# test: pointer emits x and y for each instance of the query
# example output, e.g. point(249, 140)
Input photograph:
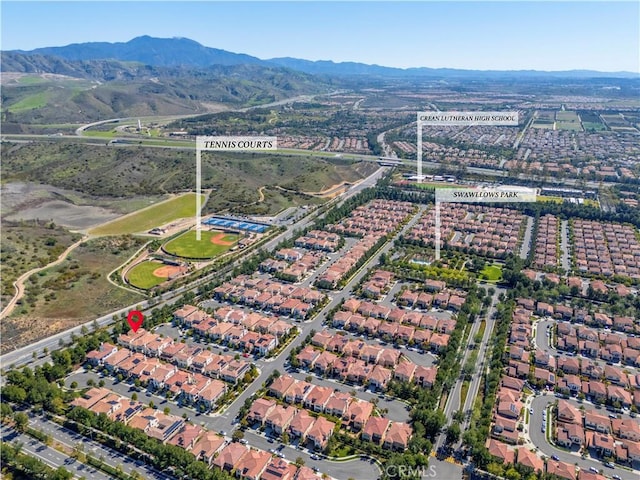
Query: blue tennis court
point(237, 224)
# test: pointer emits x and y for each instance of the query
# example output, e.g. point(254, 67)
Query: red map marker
point(135, 319)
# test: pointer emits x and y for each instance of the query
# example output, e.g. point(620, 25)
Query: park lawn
point(141, 276)
point(492, 273)
point(187, 246)
point(148, 218)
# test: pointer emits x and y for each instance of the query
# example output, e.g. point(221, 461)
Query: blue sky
point(513, 35)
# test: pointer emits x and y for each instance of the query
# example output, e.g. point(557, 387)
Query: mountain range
point(173, 52)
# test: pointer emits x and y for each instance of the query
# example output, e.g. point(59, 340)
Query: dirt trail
point(19, 283)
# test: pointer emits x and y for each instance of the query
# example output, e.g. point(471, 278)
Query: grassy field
point(573, 126)
point(31, 102)
point(157, 215)
point(142, 276)
point(492, 273)
point(71, 293)
point(187, 246)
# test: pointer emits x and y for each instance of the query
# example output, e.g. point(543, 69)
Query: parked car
point(555, 457)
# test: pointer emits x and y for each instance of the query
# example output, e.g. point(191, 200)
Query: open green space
point(71, 293)
point(592, 126)
point(492, 273)
point(573, 126)
point(567, 116)
point(31, 102)
point(28, 245)
point(187, 246)
point(183, 206)
point(141, 276)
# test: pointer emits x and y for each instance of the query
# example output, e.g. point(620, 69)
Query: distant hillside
point(54, 90)
point(171, 52)
point(167, 52)
point(327, 67)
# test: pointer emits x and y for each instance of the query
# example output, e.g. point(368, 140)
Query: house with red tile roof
point(397, 436)
point(375, 429)
point(358, 414)
point(260, 409)
point(186, 437)
point(320, 432)
point(231, 456)
point(207, 446)
point(300, 424)
point(317, 398)
point(278, 469)
point(280, 418)
point(253, 464)
point(97, 357)
point(530, 459)
point(500, 450)
point(561, 469)
point(280, 385)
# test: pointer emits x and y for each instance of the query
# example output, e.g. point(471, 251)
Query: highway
point(165, 143)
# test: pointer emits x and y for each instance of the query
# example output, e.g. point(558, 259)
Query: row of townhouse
point(355, 414)
point(578, 283)
point(492, 231)
point(396, 315)
point(342, 344)
point(254, 464)
point(609, 437)
point(205, 445)
point(378, 218)
point(603, 248)
point(547, 242)
point(357, 370)
point(610, 347)
point(315, 430)
point(269, 295)
point(424, 338)
point(194, 358)
point(193, 387)
point(319, 240)
point(378, 284)
point(293, 264)
point(338, 270)
point(432, 296)
point(622, 323)
point(248, 331)
point(511, 455)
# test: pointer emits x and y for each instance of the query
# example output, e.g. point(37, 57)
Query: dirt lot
point(28, 201)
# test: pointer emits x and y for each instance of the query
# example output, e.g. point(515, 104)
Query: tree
point(21, 421)
point(61, 473)
point(237, 435)
point(134, 396)
point(299, 462)
point(285, 437)
point(453, 432)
